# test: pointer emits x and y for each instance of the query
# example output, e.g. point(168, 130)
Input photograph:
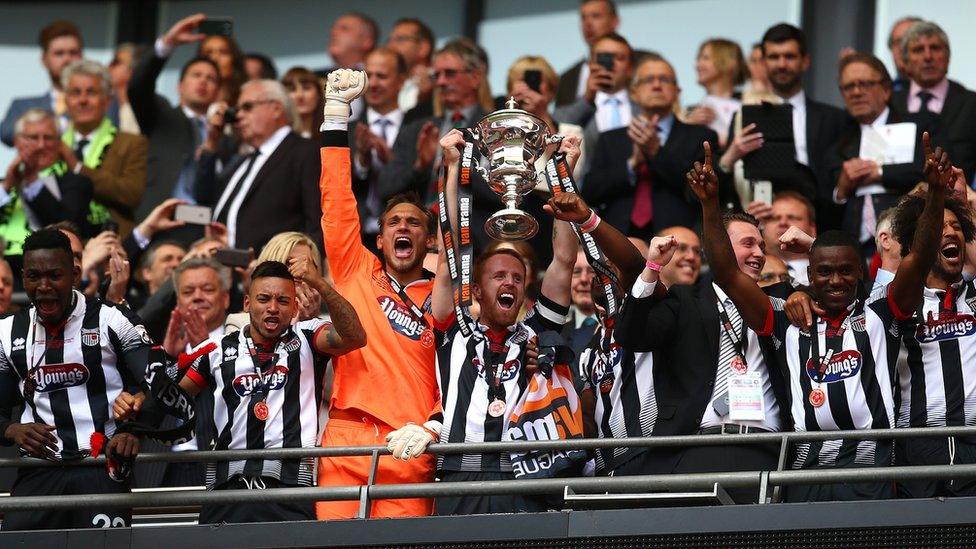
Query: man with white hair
point(273, 188)
point(114, 161)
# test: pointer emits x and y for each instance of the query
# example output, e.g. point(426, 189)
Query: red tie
point(643, 210)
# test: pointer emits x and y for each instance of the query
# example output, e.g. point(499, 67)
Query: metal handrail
point(762, 480)
point(537, 487)
point(519, 446)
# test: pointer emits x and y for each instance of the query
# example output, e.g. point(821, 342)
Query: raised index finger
point(708, 153)
point(926, 144)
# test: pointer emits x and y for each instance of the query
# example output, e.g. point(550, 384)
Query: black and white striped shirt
point(466, 366)
point(937, 382)
point(69, 376)
point(293, 394)
point(623, 383)
point(854, 374)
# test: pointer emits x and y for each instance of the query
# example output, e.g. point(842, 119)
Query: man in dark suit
point(376, 134)
point(272, 189)
point(637, 176)
point(898, 30)
point(925, 49)
point(414, 40)
point(698, 351)
point(867, 186)
point(174, 133)
point(816, 126)
point(352, 35)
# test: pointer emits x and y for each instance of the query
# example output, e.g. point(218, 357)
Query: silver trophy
point(512, 141)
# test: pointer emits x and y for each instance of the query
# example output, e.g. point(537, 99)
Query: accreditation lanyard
point(416, 311)
point(738, 342)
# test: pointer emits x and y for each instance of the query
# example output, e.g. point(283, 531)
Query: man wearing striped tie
point(713, 375)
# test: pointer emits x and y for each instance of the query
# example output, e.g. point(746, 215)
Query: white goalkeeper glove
point(411, 440)
point(342, 87)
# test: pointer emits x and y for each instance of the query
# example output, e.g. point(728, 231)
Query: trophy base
point(511, 224)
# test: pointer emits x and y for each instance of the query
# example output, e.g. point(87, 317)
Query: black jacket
point(954, 126)
point(608, 186)
point(897, 179)
point(284, 195)
point(681, 325)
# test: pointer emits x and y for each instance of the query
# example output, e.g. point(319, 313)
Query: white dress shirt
point(373, 118)
point(604, 110)
point(799, 102)
point(233, 209)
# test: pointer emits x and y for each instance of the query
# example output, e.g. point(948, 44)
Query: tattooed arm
point(345, 333)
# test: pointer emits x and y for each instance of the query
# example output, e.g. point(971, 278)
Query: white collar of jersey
point(957, 286)
point(720, 293)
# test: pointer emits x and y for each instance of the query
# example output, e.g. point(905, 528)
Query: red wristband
point(653, 266)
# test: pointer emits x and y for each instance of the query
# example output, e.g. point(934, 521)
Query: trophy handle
point(483, 172)
point(555, 139)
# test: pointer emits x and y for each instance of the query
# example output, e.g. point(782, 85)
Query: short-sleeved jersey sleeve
point(131, 340)
point(881, 302)
point(546, 315)
point(776, 322)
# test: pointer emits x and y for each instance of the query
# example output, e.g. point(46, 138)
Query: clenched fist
point(342, 87)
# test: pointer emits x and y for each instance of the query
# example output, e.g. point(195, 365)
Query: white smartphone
point(197, 215)
point(762, 191)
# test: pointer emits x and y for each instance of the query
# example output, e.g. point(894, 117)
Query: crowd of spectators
point(263, 226)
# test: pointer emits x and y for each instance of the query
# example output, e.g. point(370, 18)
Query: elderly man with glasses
point(270, 188)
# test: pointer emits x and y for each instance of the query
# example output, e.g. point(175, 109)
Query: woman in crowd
point(306, 92)
point(226, 53)
point(537, 101)
point(721, 68)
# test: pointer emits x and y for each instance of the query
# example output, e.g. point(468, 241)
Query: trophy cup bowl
point(512, 140)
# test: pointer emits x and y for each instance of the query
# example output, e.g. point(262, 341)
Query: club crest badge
point(90, 338)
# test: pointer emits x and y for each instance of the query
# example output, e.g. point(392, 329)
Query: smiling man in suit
point(866, 187)
point(637, 177)
point(925, 50)
point(271, 189)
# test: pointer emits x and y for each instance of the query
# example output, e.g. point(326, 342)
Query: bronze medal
point(496, 408)
point(817, 397)
point(261, 410)
point(738, 365)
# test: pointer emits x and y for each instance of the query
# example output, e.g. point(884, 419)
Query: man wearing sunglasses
point(270, 189)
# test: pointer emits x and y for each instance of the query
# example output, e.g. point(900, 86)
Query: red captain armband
point(899, 315)
point(767, 327)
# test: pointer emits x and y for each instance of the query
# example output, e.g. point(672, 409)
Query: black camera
point(230, 115)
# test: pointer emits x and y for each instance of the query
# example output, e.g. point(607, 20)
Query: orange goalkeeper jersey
point(391, 378)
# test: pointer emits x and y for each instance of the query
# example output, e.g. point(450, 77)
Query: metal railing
point(763, 481)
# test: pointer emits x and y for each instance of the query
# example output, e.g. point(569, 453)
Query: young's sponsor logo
point(54, 377)
point(837, 367)
point(509, 371)
point(400, 317)
point(603, 374)
point(246, 384)
point(944, 327)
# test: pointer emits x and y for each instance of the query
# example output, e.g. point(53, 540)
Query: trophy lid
point(510, 111)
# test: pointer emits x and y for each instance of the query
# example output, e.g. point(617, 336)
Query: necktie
point(457, 119)
point(200, 125)
point(643, 210)
point(947, 300)
point(925, 97)
point(383, 125)
point(80, 149)
point(589, 322)
point(613, 104)
point(236, 189)
point(726, 352)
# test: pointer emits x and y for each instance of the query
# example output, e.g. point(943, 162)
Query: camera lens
point(230, 115)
